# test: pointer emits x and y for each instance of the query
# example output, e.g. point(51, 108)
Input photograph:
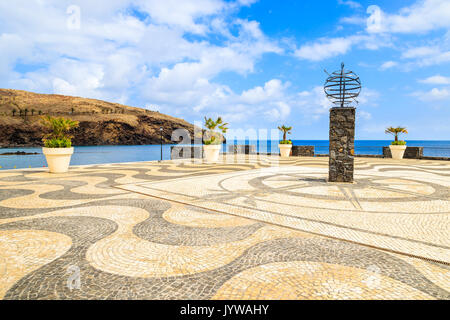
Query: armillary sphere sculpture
point(342, 87)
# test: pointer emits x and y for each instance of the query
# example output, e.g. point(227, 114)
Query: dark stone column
point(342, 144)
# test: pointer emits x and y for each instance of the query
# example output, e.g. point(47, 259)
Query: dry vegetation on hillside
point(101, 122)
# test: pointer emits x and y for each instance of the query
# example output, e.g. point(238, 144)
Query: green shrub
point(286, 142)
point(398, 143)
point(212, 136)
point(58, 137)
point(58, 143)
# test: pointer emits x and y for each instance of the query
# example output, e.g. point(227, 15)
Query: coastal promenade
point(244, 228)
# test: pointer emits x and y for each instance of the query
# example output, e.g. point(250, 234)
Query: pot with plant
point(213, 139)
point(285, 144)
point(397, 147)
point(58, 143)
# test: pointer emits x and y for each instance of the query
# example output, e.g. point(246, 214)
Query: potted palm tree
point(397, 147)
point(285, 144)
point(213, 140)
point(58, 144)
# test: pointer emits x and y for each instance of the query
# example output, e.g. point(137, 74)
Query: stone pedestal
point(410, 153)
point(342, 144)
point(303, 151)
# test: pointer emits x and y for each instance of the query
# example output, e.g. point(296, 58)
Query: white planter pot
point(397, 151)
point(285, 150)
point(212, 152)
point(58, 159)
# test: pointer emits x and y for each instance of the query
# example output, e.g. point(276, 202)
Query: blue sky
point(258, 64)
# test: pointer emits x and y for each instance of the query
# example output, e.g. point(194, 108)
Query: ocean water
point(119, 154)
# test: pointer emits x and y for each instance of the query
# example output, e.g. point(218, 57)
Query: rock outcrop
point(101, 122)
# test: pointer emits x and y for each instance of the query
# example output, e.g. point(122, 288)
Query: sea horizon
point(86, 155)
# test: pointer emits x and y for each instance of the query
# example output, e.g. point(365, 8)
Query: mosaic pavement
point(242, 229)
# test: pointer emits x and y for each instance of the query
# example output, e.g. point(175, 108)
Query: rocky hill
point(101, 122)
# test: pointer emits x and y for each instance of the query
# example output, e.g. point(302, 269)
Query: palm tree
point(396, 131)
point(285, 131)
point(32, 112)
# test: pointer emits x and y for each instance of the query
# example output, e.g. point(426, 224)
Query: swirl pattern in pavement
point(399, 211)
point(126, 245)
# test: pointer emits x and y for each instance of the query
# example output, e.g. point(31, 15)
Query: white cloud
point(10, 44)
point(423, 16)
point(247, 3)
point(169, 55)
point(273, 100)
point(200, 97)
point(324, 48)
point(63, 87)
point(438, 94)
point(280, 112)
point(115, 55)
point(350, 3)
point(312, 103)
point(427, 55)
point(153, 107)
point(182, 14)
point(361, 114)
point(420, 52)
point(368, 97)
point(437, 79)
point(272, 90)
point(358, 20)
point(388, 64)
point(433, 95)
point(190, 83)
